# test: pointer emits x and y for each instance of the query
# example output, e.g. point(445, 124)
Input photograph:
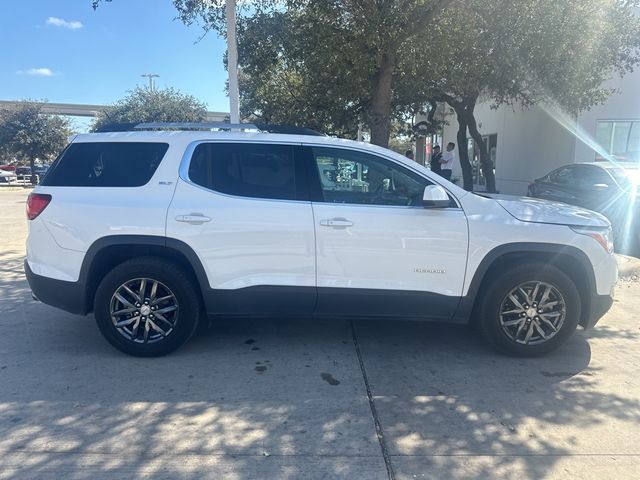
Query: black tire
point(497, 292)
point(171, 278)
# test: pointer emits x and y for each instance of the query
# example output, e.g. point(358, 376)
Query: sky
point(64, 51)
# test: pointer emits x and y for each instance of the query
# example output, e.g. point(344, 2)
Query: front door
point(243, 208)
point(379, 251)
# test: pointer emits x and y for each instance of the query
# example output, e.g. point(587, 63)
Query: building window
point(619, 139)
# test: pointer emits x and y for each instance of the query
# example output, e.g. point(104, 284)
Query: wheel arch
point(571, 260)
point(107, 252)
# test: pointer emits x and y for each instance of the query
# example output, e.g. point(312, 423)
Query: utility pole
point(232, 59)
point(150, 76)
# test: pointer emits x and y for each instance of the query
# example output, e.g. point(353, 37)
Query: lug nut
point(144, 318)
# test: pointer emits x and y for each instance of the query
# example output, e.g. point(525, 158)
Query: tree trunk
point(463, 151)
point(380, 110)
point(485, 161)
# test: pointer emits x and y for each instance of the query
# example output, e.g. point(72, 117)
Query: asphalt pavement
point(308, 399)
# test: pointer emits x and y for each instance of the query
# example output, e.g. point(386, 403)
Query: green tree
point(27, 134)
point(350, 52)
point(333, 64)
point(330, 64)
point(157, 105)
point(527, 53)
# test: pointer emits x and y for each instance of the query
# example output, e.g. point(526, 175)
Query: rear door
point(244, 210)
point(379, 251)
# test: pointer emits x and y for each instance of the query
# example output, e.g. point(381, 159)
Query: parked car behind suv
point(611, 189)
point(7, 177)
point(153, 230)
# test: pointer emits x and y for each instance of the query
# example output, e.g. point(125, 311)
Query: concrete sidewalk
point(290, 399)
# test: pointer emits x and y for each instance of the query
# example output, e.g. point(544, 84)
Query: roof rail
point(264, 127)
point(195, 126)
point(288, 129)
point(267, 128)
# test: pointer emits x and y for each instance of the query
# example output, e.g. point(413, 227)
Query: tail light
point(36, 203)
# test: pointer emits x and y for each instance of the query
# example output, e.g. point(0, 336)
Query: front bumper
point(600, 305)
point(67, 296)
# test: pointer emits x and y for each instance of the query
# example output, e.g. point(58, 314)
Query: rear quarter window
point(106, 164)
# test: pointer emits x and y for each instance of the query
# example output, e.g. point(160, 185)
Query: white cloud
point(60, 22)
point(38, 72)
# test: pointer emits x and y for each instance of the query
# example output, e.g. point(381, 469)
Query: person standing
point(409, 154)
point(446, 162)
point(436, 156)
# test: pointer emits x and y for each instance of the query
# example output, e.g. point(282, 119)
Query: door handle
point(193, 218)
point(336, 222)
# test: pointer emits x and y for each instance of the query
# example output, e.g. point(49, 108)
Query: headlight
point(604, 236)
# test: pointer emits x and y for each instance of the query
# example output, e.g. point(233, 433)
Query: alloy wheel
point(532, 313)
point(144, 310)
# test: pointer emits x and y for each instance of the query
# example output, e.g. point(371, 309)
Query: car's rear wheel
point(529, 310)
point(147, 307)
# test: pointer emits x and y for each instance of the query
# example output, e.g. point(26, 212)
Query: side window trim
point(316, 187)
point(185, 162)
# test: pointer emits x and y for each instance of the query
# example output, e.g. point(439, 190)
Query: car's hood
point(528, 209)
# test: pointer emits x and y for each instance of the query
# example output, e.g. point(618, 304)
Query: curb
point(628, 267)
point(16, 188)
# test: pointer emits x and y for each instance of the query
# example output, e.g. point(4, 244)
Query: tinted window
point(563, 176)
point(106, 164)
point(588, 177)
point(349, 176)
point(248, 170)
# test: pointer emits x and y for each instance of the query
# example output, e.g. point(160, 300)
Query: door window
point(353, 177)
point(588, 177)
point(245, 169)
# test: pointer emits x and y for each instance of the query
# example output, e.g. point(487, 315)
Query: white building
point(526, 144)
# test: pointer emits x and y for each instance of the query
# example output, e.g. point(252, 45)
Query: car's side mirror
point(435, 197)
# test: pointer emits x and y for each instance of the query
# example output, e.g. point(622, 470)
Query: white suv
point(154, 230)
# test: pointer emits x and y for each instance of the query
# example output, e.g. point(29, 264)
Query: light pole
point(232, 59)
point(150, 76)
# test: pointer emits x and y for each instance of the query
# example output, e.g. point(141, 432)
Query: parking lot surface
point(308, 399)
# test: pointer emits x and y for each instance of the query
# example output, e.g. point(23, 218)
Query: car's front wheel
point(529, 310)
point(147, 307)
